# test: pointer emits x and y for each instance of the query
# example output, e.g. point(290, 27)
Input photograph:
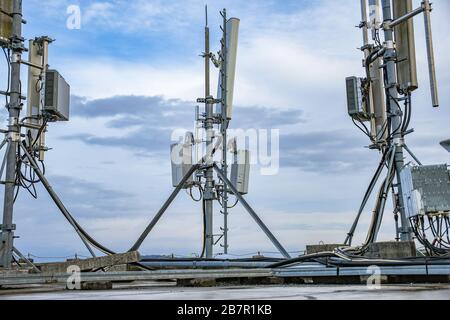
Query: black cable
point(83, 234)
point(367, 196)
point(377, 38)
point(431, 247)
point(447, 224)
point(200, 193)
point(408, 113)
point(235, 204)
point(228, 207)
point(398, 129)
point(41, 130)
point(305, 258)
point(365, 131)
point(188, 259)
point(378, 212)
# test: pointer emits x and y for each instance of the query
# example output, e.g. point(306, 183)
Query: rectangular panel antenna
point(6, 21)
point(232, 39)
point(406, 47)
point(181, 159)
point(378, 98)
point(240, 171)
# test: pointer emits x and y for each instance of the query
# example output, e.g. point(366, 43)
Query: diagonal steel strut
point(249, 209)
point(163, 209)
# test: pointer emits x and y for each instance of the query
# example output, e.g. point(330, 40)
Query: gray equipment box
point(355, 103)
point(181, 159)
point(57, 96)
point(426, 189)
point(240, 171)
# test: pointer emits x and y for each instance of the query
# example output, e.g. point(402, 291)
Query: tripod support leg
point(163, 209)
point(252, 213)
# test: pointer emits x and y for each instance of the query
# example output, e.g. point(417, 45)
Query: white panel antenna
point(232, 39)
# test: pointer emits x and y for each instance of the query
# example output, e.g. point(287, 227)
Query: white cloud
point(101, 78)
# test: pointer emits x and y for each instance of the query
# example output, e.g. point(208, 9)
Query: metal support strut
point(163, 209)
point(249, 209)
point(396, 123)
point(81, 233)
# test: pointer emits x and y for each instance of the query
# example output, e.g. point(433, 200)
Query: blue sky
point(135, 72)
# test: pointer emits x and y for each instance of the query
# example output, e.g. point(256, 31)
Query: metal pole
point(366, 50)
point(27, 261)
point(13, 137)
point(163, 209)
point(412, 155)
point(224, 128)
point(349, 239)
point(430, 51)
point(395, 112)
point(406, 17)
point(4, 142)
point(209, 173)
point(253, 213)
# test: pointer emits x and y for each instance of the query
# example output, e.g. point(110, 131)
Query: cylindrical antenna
point(207, 57)
point(406, 47)
point(430, 52)
point(364, 22)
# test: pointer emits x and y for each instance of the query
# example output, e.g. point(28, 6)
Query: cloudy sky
point(135, 72)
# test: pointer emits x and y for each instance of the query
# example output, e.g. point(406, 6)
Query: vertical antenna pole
point(13, 137)
point(430, 52)
point(207, 57)
point(224, 94)
point(209, 174)
point(395, 113)
point(366, 49)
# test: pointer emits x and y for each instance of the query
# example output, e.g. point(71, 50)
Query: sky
point(135, 73)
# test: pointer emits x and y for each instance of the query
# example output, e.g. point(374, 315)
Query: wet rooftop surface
point(158, 291)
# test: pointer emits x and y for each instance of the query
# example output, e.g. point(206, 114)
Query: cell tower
point(48, 101)
point(383, 99)
point(211, 177)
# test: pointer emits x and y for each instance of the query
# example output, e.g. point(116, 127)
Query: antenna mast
point(13, 135)
point(211, 178)
point(209, 194)
point(391, 77)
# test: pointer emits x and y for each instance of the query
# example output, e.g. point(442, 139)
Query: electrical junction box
point(57, 96)
point(240, 171)
point(181, 159)
point(355, 102)
point(426, 189)
point(6, 21)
